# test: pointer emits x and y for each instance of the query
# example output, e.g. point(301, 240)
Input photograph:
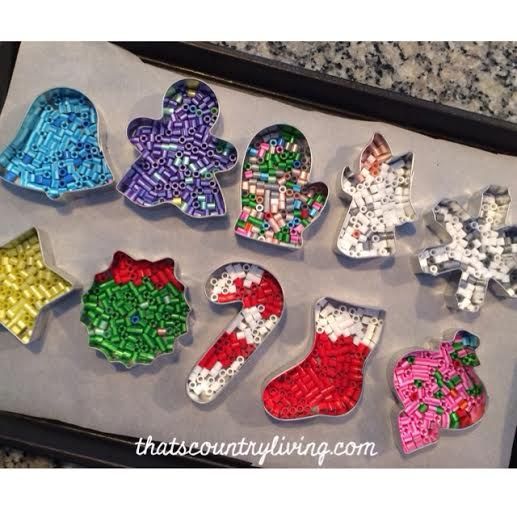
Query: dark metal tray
point(94, 448)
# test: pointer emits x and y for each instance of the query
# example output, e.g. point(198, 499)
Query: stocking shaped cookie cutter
point(328, 381)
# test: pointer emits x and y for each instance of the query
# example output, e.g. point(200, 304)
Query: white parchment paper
point(60, 377)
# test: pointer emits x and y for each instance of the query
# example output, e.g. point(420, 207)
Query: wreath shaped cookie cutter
point(135, 310)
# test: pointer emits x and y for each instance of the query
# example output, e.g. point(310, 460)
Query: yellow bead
point(27, 284)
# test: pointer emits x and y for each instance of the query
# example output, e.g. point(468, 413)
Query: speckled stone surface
point(475, 76)
point(479, 77)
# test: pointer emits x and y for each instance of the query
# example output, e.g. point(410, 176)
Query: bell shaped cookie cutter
point(277, 200)
point(179, 157)
point(482, 249)
point(29, 285)
point(135, 310)
point(262, 301)
point(438, 389)
point(380, 199)
point(57, 149)
point(328, 381)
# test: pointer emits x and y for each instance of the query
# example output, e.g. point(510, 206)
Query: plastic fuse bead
point(380, 200)
point(57, 149)
point(482, 248)
point(179, 157)
point(27, 285)
point(135, 310)
point(329, 380)
point(277, 200)
point(438, 389)
point(262, 305)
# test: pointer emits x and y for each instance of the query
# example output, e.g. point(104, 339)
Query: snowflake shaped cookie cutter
point(179, 156)
point(481, 248)
point(380, 200)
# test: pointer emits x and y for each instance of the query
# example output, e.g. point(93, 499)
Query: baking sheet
point(60, 377)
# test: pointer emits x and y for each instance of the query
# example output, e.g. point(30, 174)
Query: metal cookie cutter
point(29, 285)
point(482, 248)
point(135, 310)
point(438, 389)
point(380, 200)
point(328, 381)
point(57, 149)
point(277, 200)
point(179, 156)
point(262, 307)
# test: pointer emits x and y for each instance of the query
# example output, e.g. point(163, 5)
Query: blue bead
point(56, 149)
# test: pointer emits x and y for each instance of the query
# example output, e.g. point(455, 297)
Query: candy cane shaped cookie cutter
point(262, 301)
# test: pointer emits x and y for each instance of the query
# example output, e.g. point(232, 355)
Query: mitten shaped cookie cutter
point(29, 284)
point(481, 248)
point(135, 310)
point(277, 200)
point(57, 149)
point(179, 157)
point(328, 381)
point(380, 199)
point(262, 301)
point(438, 389)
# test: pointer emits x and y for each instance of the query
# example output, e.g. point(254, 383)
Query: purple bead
point(179, 152)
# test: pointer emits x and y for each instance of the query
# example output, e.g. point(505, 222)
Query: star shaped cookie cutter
point(29, 285)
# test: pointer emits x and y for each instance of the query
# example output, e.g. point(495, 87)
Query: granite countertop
point(476, 76)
